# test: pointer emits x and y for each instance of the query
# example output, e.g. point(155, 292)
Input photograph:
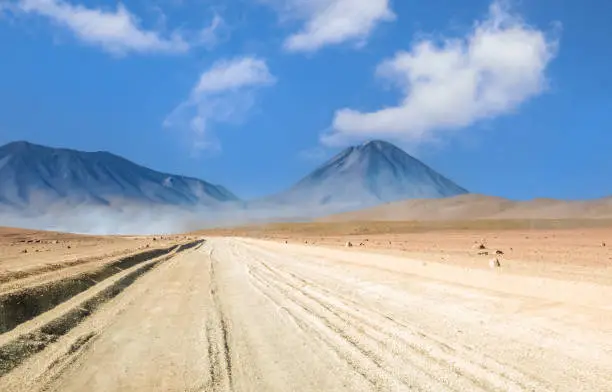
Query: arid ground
point(290, 307)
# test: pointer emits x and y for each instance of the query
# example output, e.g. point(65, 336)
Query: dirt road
point(250, 315)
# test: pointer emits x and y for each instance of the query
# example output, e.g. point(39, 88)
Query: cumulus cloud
point(450, 85)
point(331, 22)
point(117, 31)
point(224, 93)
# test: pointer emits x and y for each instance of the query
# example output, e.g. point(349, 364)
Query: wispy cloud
point(331, 22)
point(209, 36)
point(117, 31)
point(452, 85)
point(224, 93)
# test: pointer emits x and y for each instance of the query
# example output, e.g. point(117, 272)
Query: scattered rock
point(494, 263)
point(499, 252)
point(603, 243)
point(24, 251)
point(286, 241)
point(305, 242)
point(479, 245)
point(361, 244)
point(56, 242)
point(483, 253)
point(69, 247)
point(349, 244)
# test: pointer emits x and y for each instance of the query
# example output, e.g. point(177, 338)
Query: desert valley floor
point(291, 308)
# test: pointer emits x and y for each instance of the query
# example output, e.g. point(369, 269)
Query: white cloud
point(332, 22)
point(225, 93)
point(234, 75)
point(209, 36)
point(490, 72)
point(117, 31)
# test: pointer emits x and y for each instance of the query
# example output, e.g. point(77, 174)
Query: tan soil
point(244, 314)
point(531, 249)
point(24, 253)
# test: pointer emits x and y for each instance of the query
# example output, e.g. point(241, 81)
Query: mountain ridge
point(31, 172)
point(371, 173)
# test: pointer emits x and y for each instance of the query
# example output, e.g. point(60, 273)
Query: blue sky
point(506, 98)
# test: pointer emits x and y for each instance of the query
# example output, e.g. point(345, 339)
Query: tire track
point(335, 335)
point(427, 354)
point(21, 305)
point(310, 330)
point(475, 370)
point(218, 336)
point(358, 346)
point(376, 332)
point(18, 345)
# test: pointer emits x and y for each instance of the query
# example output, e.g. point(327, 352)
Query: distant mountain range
point(36, 176)
point(60, 184)
point(99, 192)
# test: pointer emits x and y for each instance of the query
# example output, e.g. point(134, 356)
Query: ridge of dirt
point(47, 325)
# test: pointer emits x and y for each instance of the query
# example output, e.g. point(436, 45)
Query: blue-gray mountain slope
point(369, 174)
point(32, 176)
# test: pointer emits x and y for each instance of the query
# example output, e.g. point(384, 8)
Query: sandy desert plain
point(290, 307)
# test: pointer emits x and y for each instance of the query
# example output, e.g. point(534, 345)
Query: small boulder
point(603, 243)
point(499, 252)
point(349, 244)
point(494, 263)
point(24, 251)
point(483, 253)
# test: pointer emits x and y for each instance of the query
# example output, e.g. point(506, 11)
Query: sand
point(475, 206)
point(413, 308)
